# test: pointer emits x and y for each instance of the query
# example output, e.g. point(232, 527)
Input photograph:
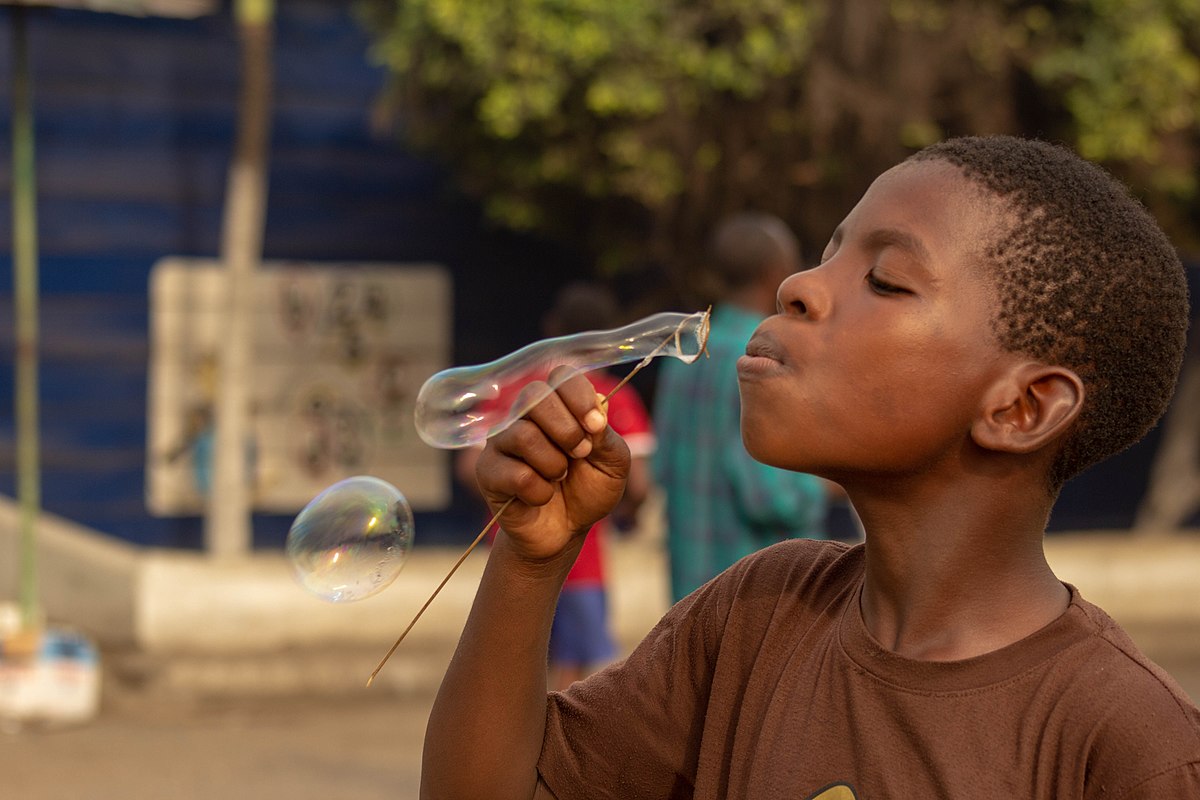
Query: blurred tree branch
point(629, 127)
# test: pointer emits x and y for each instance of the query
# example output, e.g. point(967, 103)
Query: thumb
point(609, 452)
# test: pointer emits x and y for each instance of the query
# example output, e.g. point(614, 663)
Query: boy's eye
point(881, 286)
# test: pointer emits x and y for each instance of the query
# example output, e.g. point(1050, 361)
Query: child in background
point(722, 504)
point(581, 638)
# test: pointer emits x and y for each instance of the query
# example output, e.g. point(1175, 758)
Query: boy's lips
point(761, 345)
point(763, 355)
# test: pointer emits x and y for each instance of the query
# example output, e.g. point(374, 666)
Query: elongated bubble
point(463, 406)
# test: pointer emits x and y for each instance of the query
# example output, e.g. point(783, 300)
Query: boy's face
point(878, 359)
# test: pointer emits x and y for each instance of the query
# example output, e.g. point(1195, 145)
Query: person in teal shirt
point(721, 504)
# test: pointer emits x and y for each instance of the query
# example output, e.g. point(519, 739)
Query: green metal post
point(25, 290)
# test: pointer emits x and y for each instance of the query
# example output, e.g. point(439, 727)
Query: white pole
point(227, 528)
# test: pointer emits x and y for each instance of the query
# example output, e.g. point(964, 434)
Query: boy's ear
point(1030, 407)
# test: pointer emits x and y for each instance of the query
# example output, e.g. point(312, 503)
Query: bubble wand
point(366, 520)
point(603, 400)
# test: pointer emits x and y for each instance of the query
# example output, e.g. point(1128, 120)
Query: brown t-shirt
point(766, 684)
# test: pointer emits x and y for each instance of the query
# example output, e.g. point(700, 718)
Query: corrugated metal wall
point(135, 122)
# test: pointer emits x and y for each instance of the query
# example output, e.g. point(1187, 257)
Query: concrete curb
point(182, 621)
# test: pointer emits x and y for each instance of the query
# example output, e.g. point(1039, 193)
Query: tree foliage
point(629, 126)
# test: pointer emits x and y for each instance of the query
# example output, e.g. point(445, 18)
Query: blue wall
point(135, 121)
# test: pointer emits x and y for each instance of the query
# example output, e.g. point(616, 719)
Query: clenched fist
point(563, 464)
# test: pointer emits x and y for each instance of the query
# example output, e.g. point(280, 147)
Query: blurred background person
point(721, 504)
point(581, 640)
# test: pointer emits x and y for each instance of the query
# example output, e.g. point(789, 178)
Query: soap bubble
point(351, 540)
point(464, 406)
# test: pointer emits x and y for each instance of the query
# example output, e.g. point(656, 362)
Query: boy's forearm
point(485, 731)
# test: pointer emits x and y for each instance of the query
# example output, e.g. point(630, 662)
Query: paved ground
point(295, 726)
point(363, 744)
point(359, 746)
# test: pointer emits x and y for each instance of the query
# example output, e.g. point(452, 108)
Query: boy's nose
point(801, 293)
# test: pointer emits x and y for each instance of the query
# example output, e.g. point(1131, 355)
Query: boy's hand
point(563, 463)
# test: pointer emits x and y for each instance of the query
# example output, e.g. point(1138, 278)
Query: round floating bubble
point(352, 539)
point(463, 406)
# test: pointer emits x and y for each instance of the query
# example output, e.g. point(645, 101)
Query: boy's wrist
point(535, 568)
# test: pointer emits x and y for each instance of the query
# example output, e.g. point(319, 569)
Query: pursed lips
point(763, 359)
point(763, 346)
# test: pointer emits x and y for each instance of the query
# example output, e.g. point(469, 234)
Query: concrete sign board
point(340, 352)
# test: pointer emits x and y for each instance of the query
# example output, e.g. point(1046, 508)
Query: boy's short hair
point(1085, 279)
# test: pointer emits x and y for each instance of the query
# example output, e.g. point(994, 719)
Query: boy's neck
point(956, 575)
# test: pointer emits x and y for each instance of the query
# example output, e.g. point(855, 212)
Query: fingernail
point(594, 421)
point(582, 449)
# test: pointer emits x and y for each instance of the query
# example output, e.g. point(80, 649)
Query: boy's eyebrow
point(893, 237)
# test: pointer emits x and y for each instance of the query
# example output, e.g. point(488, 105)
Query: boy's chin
point(773, 451)
point(764, 451)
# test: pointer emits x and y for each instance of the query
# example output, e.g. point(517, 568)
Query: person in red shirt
point(581, 639)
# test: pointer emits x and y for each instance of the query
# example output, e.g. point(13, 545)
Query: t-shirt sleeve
point(1146, 742)
point(633, 729)
point(636, 728)
point(1180, 783)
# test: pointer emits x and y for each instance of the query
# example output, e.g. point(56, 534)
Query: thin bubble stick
point(453, 569)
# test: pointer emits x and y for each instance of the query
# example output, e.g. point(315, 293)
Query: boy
point(993, 316)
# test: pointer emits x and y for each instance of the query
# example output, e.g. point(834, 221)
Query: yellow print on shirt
point(838, 791)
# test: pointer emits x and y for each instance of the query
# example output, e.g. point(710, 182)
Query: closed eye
point(880, 286)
